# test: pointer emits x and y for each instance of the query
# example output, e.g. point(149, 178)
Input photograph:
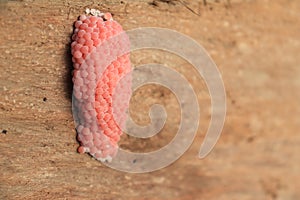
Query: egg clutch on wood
point(100, 55)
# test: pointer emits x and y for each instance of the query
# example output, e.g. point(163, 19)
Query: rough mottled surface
point(256, 46)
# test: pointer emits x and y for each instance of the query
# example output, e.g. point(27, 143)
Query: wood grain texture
point(256, 46)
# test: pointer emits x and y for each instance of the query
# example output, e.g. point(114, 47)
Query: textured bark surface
point(256, 47)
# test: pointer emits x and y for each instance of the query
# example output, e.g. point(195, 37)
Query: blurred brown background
point(256, 45)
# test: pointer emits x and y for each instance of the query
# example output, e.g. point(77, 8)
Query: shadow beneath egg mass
point(68, 84)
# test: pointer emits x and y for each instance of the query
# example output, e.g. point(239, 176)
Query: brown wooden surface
point(256, 46)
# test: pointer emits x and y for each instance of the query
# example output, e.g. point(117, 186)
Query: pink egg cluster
point(101, 61)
